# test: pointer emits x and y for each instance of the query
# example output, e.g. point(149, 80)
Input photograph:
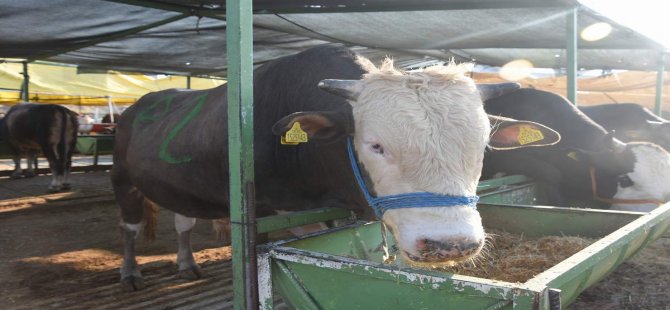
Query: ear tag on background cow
point(294, 136)
point(528, 135)
point(573, 155)
point(633, 134)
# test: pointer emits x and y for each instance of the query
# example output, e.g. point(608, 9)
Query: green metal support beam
point(239, 35)
point(571, 46)
point(659, 86)
point(113, 36)
point(25, 87)
point(188, 82)
point(295, 219)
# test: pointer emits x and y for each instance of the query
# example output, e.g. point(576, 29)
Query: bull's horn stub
point(349, 89)
point(489, 91)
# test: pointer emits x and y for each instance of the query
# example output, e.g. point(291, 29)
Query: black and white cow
point(630, 122)
point(49, 129)
point(637, 172)
point(413, 132)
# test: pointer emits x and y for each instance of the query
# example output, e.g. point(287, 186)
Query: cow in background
point(50, 129)
point(633, 176)
point(630, 122)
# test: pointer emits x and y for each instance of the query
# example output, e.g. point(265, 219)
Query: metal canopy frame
point(239, 16)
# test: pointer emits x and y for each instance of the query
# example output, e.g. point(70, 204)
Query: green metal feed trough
point(342, 268)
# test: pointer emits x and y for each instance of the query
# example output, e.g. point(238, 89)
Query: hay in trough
point(515, 258)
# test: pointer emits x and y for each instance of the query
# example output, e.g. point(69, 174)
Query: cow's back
point(620, 116)
point(30, 126)
point(173, 144)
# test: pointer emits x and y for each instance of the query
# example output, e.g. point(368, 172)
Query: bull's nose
point(455, 249)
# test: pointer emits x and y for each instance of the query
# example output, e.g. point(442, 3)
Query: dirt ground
point(53, 256)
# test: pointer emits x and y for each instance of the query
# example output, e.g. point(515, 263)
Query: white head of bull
point(645, 183)
point(419, 133)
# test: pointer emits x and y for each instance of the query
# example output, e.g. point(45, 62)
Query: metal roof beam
point(194, 11)
point(410, 6)
point(113, 36)
point(277, 7)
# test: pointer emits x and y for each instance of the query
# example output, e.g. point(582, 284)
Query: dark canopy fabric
point(188, 36)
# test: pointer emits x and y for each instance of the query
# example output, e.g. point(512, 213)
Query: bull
point(631, 122)
point(588, 164)
point(50, 129)
point(411, 132)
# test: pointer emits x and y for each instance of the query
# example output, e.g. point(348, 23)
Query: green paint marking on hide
point(163, 154)
point(149, 114)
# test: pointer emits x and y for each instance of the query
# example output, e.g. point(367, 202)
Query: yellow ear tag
point(528, 135)
point(294, 136)
point(633, 134)
point(573, 155)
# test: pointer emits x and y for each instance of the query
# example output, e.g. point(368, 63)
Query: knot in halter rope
point(409, 200)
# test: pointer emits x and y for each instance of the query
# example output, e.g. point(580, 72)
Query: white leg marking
point(183, 223)
point(132, 227)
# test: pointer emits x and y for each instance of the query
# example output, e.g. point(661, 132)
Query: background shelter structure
point(186, 37)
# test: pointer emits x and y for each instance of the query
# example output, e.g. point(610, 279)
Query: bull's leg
point(56, 171)
point(188, 269)
point(66, 176)
point(17, 174)
point(31, 158)
point(131, 277)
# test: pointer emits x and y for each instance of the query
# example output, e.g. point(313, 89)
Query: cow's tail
point(149, 218)
point(60, 148)
point(67, 120)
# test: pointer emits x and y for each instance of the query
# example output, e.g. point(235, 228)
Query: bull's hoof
point(15, 176)
point(66, 186)
point(54, 189)
point(132, 283)
point(29, 174)
point(192, 273)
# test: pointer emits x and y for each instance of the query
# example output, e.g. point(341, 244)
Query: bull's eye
point(377, 148)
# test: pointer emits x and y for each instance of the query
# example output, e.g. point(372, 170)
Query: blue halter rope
point(410, 200)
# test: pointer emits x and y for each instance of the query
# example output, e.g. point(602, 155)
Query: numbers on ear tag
point(633, 134)
point(573, 156)
point(294, 136)
point(529, 135)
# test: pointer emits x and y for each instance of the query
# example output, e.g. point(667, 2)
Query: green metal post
point(241, 153)
point(25, 94)
point(571, 35)
point(659, 85)
point(188, 82)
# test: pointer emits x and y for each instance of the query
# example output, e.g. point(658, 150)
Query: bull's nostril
point(421, 244)
point(453, 249)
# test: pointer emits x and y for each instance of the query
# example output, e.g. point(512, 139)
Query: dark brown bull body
point(172, 150)
point(565, 167)
point(49, 129)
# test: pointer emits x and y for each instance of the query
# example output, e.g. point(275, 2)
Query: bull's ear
point(507, 133)
point(318, 125)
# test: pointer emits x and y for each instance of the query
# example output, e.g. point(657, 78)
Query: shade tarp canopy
point(187, 37)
